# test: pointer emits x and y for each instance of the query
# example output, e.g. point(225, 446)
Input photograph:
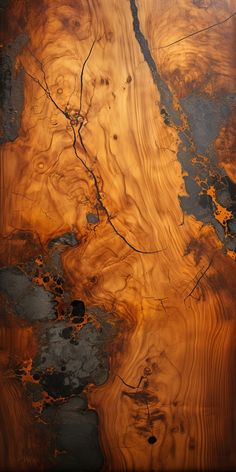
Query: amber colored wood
point(172, 368)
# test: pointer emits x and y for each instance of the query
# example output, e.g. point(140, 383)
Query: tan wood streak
point(185, 341)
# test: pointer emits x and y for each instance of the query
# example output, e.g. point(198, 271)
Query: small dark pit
point(78, 308)
point(19, 372)
point(115, 137)
point(36, 376)
point(59, 290)
point(53, 383)
point(94, 279)
point(46, 278)
point(167, 121)
point(163, 112)
point(152, 439)
point(67, 332)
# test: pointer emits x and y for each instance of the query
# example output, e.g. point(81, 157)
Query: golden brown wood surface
point(96, 136)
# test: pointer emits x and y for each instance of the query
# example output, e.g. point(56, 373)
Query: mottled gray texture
point(70, 356)
point(206, 116)
point(66, 239)
point(11, 89)
point(92, 218)
point(29, 300)
point(76, 357)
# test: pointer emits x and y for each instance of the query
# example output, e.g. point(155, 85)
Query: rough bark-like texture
point(118, 234)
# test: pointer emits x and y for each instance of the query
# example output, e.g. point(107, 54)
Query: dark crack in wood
point(90, 171)
point(199, 279)
point(82, 75)
point(166, 97)
point(131, 386)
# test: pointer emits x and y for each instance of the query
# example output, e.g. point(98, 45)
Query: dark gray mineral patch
point(206, 116)
point(69, 359)
point(92, 218)
point(29, 300)
point(66, 239)
point(76, 436)
point(11, 89)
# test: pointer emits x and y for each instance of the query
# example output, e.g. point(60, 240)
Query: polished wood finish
point(158, 268)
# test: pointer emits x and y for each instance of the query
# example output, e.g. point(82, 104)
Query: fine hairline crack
point(74, 144)
point(202, 274)
point(197, 32)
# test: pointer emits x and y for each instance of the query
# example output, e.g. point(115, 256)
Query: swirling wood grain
point(171, 371)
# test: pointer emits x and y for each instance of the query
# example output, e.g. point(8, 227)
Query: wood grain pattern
point(93, 139)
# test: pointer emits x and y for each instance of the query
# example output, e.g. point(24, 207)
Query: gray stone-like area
point(29, 300)
point(66, 239)
point(56, 246)
point(11, 89)
point(76, 436)
point(206, 116)
point(92, 218)
point(70, 356)
point(69, 359)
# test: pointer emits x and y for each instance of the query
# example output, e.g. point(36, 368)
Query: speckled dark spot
point(152, 439)
point(59, 290)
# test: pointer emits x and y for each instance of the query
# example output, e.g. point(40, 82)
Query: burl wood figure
point(118, 234)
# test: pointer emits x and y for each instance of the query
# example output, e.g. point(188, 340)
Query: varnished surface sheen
point(161, 268)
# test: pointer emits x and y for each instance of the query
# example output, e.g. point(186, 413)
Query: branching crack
point(78, 120)
point(144, 398)
point(131, 386)
point(197, 32)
